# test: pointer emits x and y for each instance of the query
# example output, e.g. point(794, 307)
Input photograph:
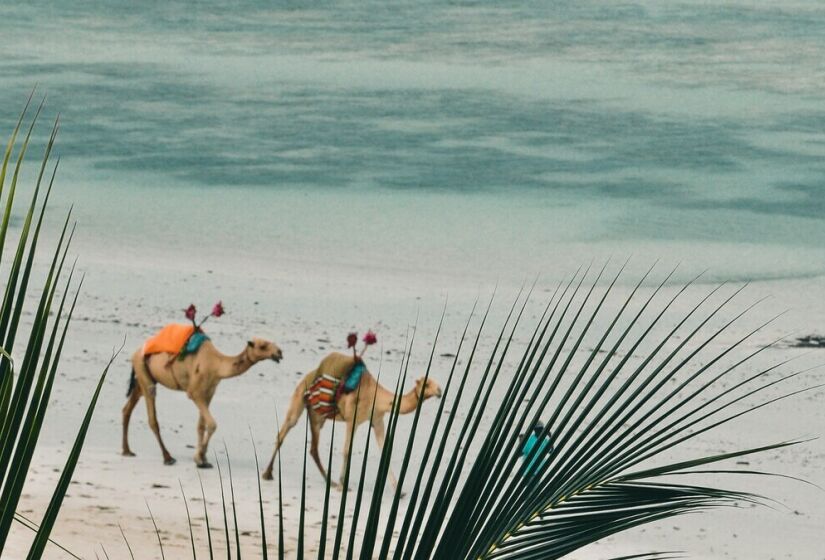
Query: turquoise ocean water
point(359, 160)
point(456, 136)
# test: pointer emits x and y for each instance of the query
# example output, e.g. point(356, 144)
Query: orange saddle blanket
point(170, 339)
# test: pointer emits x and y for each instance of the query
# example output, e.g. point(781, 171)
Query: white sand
point(308, 309)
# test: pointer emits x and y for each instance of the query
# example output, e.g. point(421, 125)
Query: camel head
point(259, 349)
point(431, 389)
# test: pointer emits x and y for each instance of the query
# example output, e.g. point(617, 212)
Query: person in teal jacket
point(540, 456)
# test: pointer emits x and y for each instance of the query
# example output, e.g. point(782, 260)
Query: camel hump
point(170, 339)
point(337, 365)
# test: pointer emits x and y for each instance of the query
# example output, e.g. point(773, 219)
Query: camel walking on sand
point(352, 408)
point(198, 374)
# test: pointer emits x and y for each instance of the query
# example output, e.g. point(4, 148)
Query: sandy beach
point(111, 491)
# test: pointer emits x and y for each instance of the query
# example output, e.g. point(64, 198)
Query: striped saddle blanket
point(322, 394)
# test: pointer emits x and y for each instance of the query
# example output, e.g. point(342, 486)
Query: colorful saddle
point(323, 395)
point(175, 339)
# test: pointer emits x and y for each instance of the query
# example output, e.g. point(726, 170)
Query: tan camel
point(198, 374)
point(353, 408)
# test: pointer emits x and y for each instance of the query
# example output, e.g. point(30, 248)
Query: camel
point(353, 409)
point(199, 375)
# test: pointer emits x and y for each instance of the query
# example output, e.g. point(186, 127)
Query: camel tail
point(131, 383)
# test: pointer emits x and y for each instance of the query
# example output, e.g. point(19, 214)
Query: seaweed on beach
point(809, 341)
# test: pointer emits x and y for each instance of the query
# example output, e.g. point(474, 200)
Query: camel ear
point(250, 343)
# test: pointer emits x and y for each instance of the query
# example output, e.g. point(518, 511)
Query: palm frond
point(604, 419)
point(26, 383)
point(362, 478)
point(53, 509)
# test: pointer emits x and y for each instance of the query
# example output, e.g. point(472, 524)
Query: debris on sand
point(810, 341)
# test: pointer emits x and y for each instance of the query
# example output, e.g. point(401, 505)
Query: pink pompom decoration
point(218, 310)
point(191, 312)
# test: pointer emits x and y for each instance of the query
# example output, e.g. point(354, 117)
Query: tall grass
point(26, 382)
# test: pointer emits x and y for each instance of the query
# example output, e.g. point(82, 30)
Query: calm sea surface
point(324, 166)
point(511, 135)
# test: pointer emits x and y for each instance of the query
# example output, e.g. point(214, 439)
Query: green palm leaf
point(603, 419)
point(26, 382)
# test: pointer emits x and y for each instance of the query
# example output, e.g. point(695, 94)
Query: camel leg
point(346, 452)
point(267, 474)
point(204, 434)
point(154, 426)
point(201, 431)
point(378, 429)
point(296, 407)
point(132, 401)
point(315, 429)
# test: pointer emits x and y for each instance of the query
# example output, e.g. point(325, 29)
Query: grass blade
point(188, 521)
point(322, 539)
point(125, 540)
point(260, 498)
point(53, 509)
point(234, 510)
point(299, 554)
point(223, 505)
point(280, 497)
point(157, 532)
point(206, 517)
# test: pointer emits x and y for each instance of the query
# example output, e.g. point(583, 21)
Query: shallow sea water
point(519, 134)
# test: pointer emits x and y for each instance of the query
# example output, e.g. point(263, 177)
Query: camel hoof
point(170, 461)
point(267, 475)
point(127, 453)
point(204, 465)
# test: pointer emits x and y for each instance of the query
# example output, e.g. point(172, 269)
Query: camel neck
point(232, 366)
point(409, 402)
